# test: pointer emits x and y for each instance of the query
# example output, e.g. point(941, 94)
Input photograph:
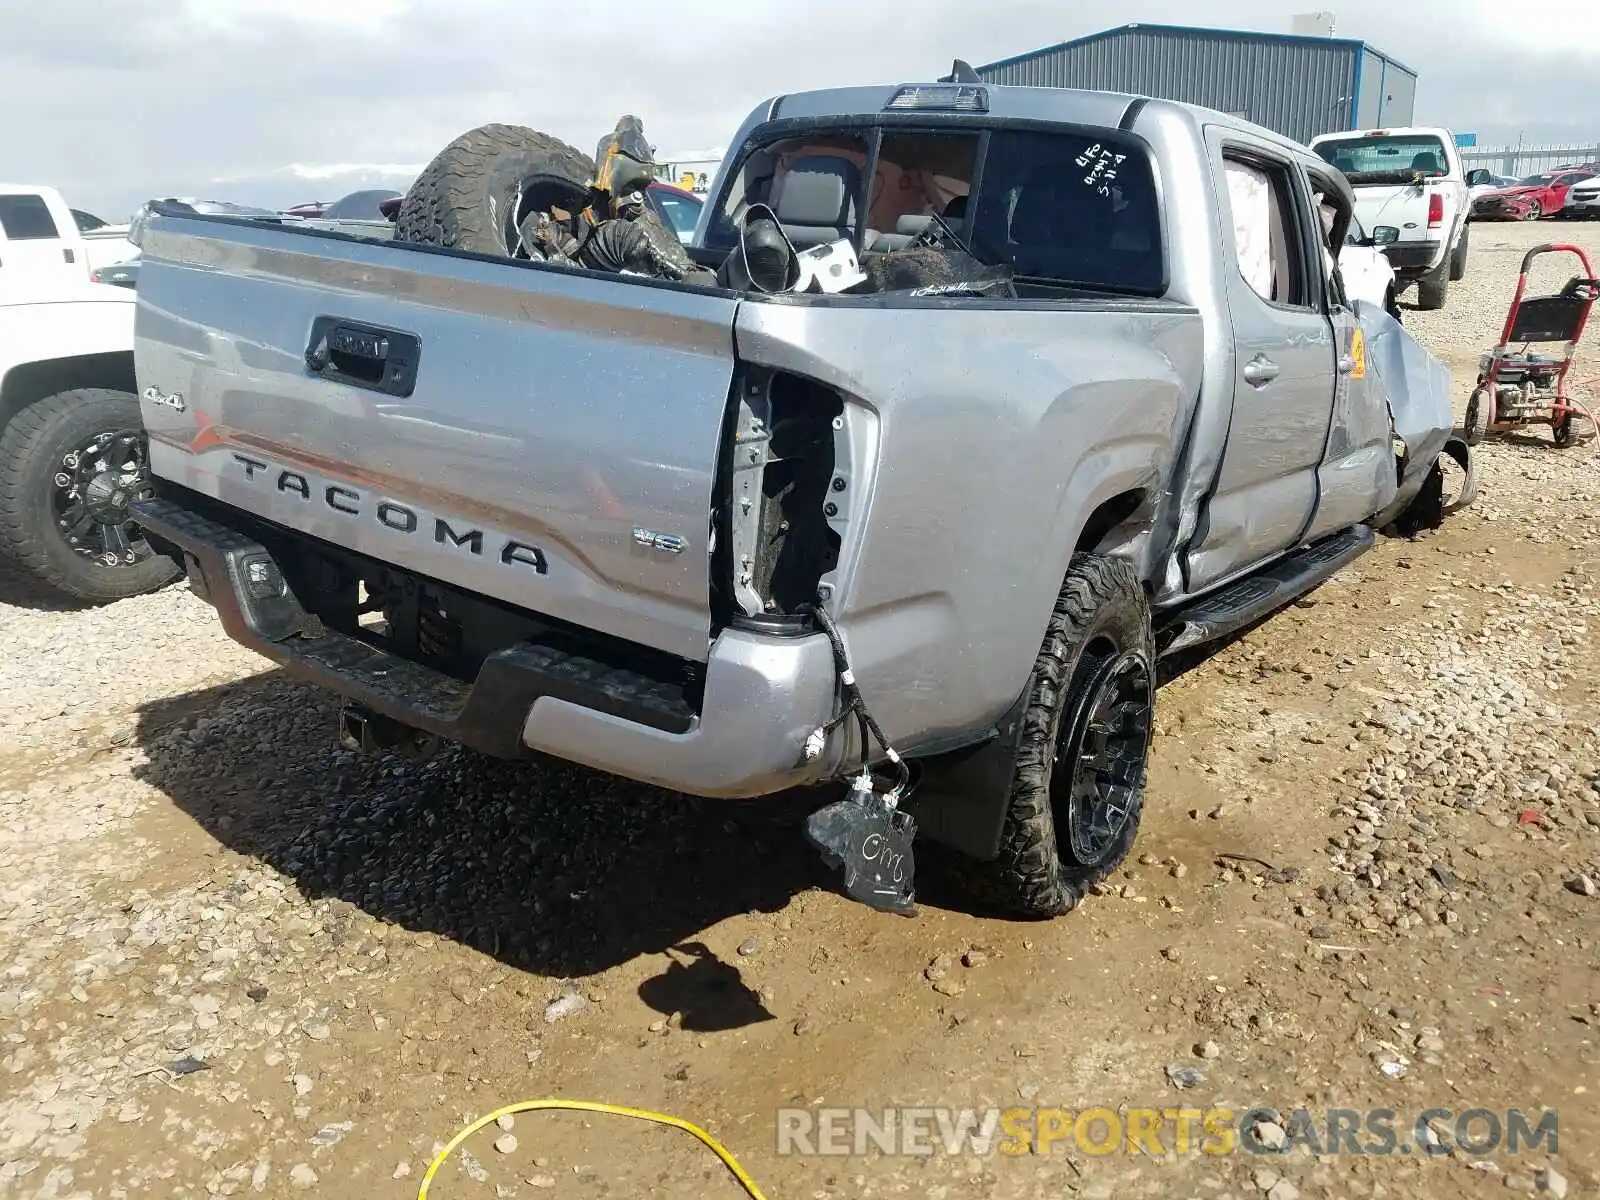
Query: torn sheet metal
point(1416, 387)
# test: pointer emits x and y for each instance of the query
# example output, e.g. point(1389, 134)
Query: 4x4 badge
point(173, 400)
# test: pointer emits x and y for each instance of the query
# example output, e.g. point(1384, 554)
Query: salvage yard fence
point(1529, 160)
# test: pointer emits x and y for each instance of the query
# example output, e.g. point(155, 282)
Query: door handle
point(1346, 364)
point(1260, 370)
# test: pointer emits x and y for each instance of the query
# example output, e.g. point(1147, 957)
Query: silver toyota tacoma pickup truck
point(928, 541)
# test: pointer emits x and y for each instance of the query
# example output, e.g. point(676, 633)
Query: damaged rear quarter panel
point(995, 431)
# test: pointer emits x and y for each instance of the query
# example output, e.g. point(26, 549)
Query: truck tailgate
point(1401, 205)
point(543, 437)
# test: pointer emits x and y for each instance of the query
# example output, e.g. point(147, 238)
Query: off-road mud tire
point(468, 197)
point(31, 447)
point(1036, 874)
point(475, 192)
point(1432, 289)
point(1458, 260)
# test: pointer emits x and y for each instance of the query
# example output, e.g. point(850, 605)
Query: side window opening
point(1328, 211)
point(1266, 245)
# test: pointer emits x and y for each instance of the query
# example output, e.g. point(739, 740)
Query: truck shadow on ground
point(18, 591)
point(546, 866)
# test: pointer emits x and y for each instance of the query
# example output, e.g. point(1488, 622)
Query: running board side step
point(1246, 601)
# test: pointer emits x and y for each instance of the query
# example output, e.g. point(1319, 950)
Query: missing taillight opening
point(783, 495)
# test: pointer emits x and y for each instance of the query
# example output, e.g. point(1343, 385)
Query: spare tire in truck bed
point(476, 192)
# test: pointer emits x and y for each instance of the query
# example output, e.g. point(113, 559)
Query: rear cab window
point(1387, 158)
point(26, 218)
point(1067, 210)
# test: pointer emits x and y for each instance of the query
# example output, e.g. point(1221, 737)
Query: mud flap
point(871, 841)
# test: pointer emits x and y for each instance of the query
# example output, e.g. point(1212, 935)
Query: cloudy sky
point(280, 101)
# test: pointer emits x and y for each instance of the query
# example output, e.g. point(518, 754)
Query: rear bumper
point(1411, 259)
point(763, 695)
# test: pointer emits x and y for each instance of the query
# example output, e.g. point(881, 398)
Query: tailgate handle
point(364, 356)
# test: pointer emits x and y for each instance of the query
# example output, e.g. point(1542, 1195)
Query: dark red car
point(1535, 197)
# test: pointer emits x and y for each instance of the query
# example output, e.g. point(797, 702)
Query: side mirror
point(1474, 178)
point(1384, 235)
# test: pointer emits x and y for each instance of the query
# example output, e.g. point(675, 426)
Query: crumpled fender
point(1416, 387)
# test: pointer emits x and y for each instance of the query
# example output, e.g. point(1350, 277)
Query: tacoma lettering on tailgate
point(398, 517)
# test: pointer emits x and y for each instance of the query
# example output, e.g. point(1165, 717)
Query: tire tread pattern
point(1030, 877)
point(24, 513)
point(447, 205)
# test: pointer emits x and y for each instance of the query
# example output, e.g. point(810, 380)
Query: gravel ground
point(240, 961)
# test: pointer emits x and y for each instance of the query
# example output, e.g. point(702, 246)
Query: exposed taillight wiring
point(855, 705)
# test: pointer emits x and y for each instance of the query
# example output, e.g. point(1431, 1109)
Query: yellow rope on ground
point(641, 1114)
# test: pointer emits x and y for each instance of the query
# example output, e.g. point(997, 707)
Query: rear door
point(1284, 363)
point(37, 255)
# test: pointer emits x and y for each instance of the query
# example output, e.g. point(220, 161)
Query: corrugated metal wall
point(1371, 91)
point(1299, 88)
point(1400, 97)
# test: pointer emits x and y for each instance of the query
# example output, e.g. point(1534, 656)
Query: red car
point(1535, 197)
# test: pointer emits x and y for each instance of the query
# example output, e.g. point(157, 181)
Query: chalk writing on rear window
point(1102, 166)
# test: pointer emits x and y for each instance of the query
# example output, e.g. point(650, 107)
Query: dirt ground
point(240, 961)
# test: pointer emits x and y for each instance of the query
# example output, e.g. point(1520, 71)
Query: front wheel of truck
point(1078, 775)
point(70, 464)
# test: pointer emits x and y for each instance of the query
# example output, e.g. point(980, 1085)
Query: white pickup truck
point(73, 454)
point(1411, 179)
